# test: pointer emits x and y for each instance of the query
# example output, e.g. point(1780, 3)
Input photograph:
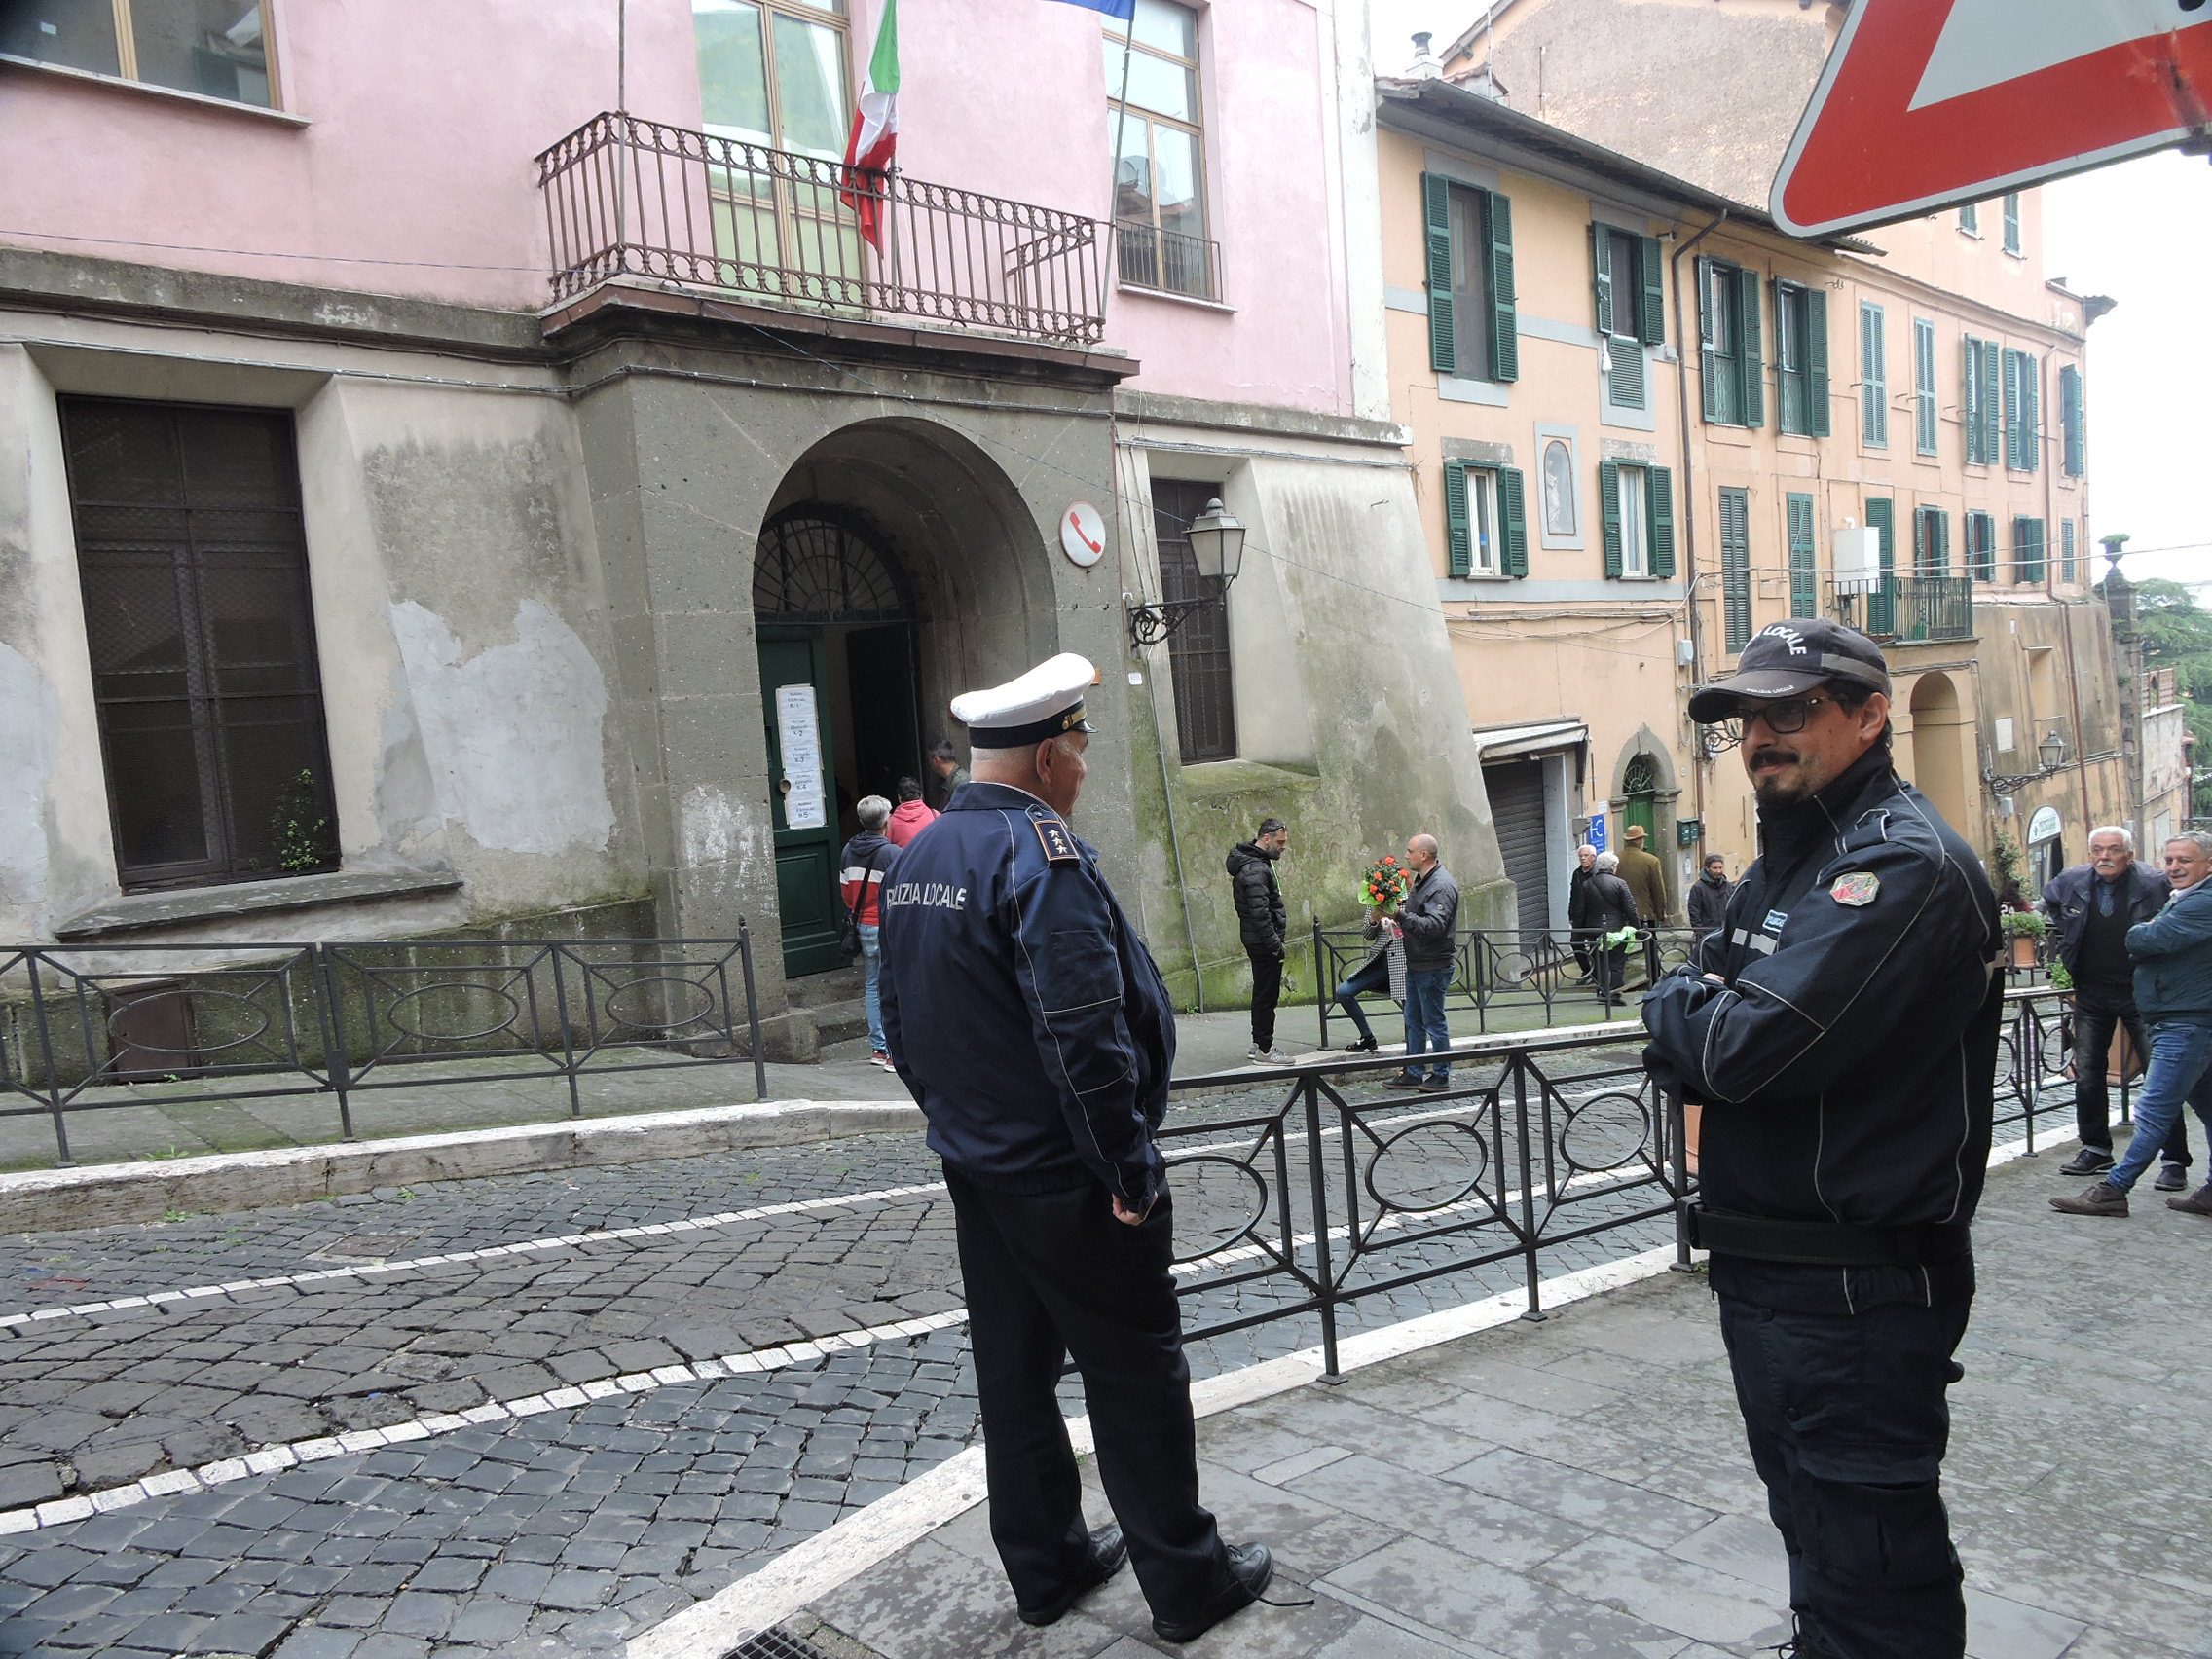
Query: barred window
point(1197, 651)
point(193, 565)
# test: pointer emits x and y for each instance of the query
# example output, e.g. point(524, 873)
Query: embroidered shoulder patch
point(1052, 835)
point(1855, 889)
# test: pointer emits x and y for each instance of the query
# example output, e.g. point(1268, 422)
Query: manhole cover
point(777, 1644)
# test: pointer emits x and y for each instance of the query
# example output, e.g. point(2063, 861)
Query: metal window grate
point(193, 561)
point(1197, 651)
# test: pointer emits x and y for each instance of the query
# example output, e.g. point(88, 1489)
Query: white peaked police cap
point(1041, 704)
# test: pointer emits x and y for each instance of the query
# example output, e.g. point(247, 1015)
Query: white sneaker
point(1274, 1057)
point(1255, 1053)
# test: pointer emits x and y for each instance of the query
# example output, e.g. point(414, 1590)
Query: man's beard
point(1775, 790)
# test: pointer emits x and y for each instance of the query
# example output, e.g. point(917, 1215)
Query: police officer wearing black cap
point(1034, 1030)
point(1840, 1030)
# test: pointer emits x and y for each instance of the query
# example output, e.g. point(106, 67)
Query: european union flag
point(1122, 9)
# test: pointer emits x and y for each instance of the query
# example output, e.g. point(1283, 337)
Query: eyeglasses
point(1783, 716)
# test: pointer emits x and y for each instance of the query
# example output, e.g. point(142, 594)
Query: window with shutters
point(2012, 221)
point(1637, 503)
point(1197, 650)
point(1922, 385)
point(2027, 551)
point(1153, 116)
point(1736, 566)
point(1931, 542)
point(1982, 402)
point(1981, 531)
point(219, 49)
point(1801, 358)
point(1631, 308)
point(1731, 360)
point(1473, 324)
point(1873, 376)
point(2066, 551)
point(2073, 423)
point(1486, 522)
point(2022, 375)
point(1882, 520)
point(1804, 575)
point(193, 558)
point(1970, 219)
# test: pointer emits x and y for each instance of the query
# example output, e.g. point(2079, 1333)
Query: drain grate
point(777, 1644)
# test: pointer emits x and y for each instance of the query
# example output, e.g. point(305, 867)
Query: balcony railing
point(1169, 259)
point(724, 218)
point(1909, 609)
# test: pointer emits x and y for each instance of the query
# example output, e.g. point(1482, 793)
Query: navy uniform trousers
point(1841, 1374)
point(1051, 1275)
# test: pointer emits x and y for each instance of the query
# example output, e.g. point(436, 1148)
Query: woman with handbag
point(866, 858)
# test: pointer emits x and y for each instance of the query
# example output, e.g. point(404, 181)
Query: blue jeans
point(2180, 1055)
point(1425, 1029)
point(1372, 976)
point(872, 1000)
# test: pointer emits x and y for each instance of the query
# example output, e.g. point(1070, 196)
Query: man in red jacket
point(911, 816)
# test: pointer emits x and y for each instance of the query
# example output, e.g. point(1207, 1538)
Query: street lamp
point(1216, 542)
point(2051, 751)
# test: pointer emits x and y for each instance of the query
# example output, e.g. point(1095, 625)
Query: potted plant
point(2023, 928)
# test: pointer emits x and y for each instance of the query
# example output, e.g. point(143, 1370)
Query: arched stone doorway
point(1937, 761)
point(896, 567)
point(1646, 792)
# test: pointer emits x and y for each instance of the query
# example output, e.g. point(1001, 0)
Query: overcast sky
point(2141, 233)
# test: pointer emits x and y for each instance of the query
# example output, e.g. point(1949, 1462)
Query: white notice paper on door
point(800, 734)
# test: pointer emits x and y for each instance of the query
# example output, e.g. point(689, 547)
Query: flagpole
point(1114, 168)
point(621, 135)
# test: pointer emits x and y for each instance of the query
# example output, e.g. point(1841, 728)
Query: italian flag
point(874, 139)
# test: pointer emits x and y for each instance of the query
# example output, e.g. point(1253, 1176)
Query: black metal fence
point(1328, 1195)
point(1504, 969)
point(1907, 609)
point(626, 197)
point(78, 1024)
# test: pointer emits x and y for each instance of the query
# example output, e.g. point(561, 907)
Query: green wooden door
point(1641, 787)
point(795, 705)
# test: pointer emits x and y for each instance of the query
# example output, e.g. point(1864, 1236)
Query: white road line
point(270, 1459)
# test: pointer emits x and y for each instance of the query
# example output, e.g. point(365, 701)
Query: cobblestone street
point(533, 1414)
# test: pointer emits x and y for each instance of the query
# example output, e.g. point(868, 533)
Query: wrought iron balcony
point(722, 218)
point(1909, 609)
point(1169, 259)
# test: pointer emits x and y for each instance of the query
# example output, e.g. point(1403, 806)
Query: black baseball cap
point(1790, 660)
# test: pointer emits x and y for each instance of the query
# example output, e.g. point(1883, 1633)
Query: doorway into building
point(1516, 789)
point(1641, 785)
point(840, 701)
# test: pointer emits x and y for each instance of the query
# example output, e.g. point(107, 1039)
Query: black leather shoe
point(2172, 1178)
point(2090, 1161)
point(1108, 1550)
point(1404, 1080)
point(1250, 1567)
point(1360, 1046)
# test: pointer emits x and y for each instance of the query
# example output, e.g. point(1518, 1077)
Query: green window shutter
point(1708, 360)
point(1751, 351)
point(1736, 565)
point(1458, 530)
point(1504, 313)
point(2031, 413)
point(1939, 541)
point(1659, 503)
point(1970, 397)
point(1602, 266)
point(1924, 385)
point(1816, 364)
point(1874, 377)
point(1882, 520)
point(1651, 273)
point(2070, 419)
point(2066, 550)
point(1512, 521)
point(1610, 509)
point(1436, 204)
point(2027, 537)
point(1992, 402)
point(1804, 578)
point(2011, 370)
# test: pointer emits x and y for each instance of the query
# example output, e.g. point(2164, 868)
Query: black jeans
point(1840, 1374)
point(2094, 1017)
point(1266, 988)
point(1365, 981)
point(1054, 1275)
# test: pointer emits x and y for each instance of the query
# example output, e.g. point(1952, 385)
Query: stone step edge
point(101, 1195)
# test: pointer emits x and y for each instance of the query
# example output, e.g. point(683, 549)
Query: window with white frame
point(218, 49)
point(1635, 535)
point(1637, 502)
point(1153, 117)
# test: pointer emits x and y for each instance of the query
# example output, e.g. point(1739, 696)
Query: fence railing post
point(751, 1010)
point(44, 1022)
point(1317, 1172)
point(1323, 986)
point(334, 1057)
point(567, 1038)
point(1520, 1072)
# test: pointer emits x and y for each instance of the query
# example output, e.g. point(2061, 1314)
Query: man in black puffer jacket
point(1261, 923)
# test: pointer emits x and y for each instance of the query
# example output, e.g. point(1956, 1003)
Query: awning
point(1504, 743)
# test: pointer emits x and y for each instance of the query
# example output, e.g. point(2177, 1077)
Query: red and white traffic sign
point(1929, 103)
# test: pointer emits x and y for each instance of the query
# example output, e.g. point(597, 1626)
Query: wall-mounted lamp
point(1217, 548)
point(2051, 751)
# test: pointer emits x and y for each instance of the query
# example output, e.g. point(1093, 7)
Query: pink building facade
point(570, 546)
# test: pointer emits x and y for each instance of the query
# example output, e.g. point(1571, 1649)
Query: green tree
point(2177, 632)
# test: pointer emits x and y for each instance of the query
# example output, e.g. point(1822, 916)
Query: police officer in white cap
point(1034, 1030)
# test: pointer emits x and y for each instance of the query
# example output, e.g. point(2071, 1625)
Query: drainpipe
point(1688, 518)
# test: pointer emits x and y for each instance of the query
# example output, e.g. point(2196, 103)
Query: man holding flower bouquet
point(1428, 922)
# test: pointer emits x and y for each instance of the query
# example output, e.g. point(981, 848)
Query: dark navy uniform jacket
point(1020, 1007)
point(1847, 1065)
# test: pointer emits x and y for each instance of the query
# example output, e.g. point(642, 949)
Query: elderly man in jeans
point(1428, 919)
point(2172, 954)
